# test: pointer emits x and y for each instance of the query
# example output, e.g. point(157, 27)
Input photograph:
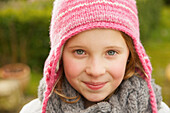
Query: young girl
point(97, 63)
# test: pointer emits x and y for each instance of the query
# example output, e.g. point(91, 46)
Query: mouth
point(95, 85)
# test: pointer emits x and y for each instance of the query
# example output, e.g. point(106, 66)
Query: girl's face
point(95, 62)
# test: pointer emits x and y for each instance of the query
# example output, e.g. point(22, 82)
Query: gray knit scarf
point(132, 96)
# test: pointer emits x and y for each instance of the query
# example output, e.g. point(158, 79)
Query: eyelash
point(114, 52)
point(79, 50)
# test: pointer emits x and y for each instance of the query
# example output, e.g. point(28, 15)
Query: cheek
point(72, 68)
point(118, 69)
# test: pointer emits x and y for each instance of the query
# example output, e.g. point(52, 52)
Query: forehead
point(98, 36)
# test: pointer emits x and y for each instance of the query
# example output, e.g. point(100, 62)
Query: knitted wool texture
point(71, 17)
point(130, 97)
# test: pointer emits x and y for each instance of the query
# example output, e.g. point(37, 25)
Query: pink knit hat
point(71, 17)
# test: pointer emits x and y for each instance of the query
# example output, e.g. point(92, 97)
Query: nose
point(95, 67)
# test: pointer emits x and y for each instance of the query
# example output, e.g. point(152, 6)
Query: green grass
point(158, 48)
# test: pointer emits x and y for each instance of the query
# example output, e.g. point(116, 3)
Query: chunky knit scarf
point(132, 96)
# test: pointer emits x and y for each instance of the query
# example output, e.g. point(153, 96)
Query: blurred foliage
point(167, 2)
point(24, 29)
point(32, 88)
point(24, 33)
point(149, 12)
point(157, 47)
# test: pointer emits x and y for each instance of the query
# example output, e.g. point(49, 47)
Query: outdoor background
point(24, 38)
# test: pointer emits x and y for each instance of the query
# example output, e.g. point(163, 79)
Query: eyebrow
point(107, 47)
point(114, 47)
point(76, 46)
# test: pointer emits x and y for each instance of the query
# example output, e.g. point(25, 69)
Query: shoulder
point(32, 107)
point(164, 108)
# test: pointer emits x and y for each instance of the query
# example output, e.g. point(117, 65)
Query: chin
point(96, 99)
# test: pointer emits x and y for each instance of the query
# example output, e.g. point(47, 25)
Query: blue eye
point(111, 52)
point(80, 52)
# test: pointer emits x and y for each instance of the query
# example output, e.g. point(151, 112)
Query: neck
point(88, 103)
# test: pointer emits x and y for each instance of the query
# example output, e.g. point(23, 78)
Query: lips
point(95, 85)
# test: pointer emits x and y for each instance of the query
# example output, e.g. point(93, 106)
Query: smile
point(96, 85)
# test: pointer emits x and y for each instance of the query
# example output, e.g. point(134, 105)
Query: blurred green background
point(24, 37)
